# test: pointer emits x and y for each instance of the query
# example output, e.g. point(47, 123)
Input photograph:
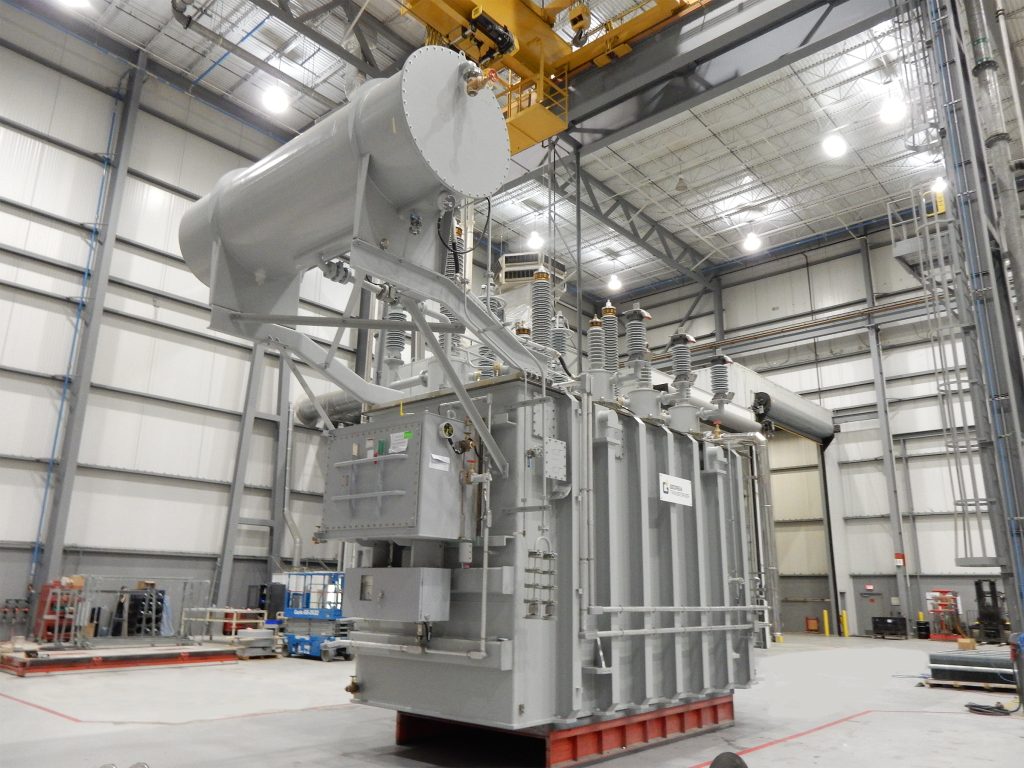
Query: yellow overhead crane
point(531, 63)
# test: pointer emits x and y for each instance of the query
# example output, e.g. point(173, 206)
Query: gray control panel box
point(397, 477)
point(398, 594)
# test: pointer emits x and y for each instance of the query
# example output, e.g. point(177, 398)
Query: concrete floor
point(832, 702)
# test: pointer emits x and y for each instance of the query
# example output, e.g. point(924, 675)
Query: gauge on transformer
point(447, 430)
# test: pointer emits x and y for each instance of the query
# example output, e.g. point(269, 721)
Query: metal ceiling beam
point(329, 45)
point(190, 24)
point(87, 33)
point(601, 202)
point(696, 60)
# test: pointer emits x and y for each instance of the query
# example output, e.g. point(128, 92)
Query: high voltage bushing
point(720, 379)
point(610, 332)
point(682, 363)
point(636, 342)
point(595, 344)
point(560, 343)
point(394, 339)
point(486, 358)
point(543, 306)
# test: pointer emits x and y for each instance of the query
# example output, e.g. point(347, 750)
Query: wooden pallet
point(969, 684)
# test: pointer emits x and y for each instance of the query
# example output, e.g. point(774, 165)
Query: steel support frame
point(281, 13)
point(58, 514)
point(696, 60)
point(598, 200)
point(907, 606)
point(226, 563)
point(990, 341)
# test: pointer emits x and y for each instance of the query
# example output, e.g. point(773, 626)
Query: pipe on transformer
point(763, 480)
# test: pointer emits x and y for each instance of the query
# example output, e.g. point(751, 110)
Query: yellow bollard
point(824, 622)
point(843, 623)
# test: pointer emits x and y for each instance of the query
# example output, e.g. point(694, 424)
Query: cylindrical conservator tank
point(423, 134)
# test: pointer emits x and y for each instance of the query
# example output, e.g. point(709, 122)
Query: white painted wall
point(163, 417)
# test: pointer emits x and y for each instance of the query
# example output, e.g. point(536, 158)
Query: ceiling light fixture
point(939, 186)
point(535, 242)
point(614, 283)
point(892, 111)
point(275, 99)
point(752, 242)
point(834, 145)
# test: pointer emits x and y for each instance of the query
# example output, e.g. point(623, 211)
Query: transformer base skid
point(80, 660)
point(580, 745)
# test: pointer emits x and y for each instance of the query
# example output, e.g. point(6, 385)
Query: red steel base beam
point(585, 743)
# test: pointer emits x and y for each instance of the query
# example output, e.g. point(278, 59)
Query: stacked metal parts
point(533, 548)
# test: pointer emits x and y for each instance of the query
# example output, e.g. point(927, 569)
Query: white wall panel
point(938, 551)
point(145, 513)
point(869, 546)
point(41, 98)
point(29, 416)
point(35, 332)
point(22, 486)
point(864, 488)
point(150, 216)
point(47, 178)
point(796, 495)
point(837, 282)
point(764, 300)
point(802, 549)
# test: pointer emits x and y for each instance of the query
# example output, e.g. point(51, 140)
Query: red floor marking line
point(793, 736)
point(41, 707)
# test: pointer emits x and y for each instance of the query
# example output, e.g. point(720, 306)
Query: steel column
point(52, 562)
point(885, 436)
point(225, 566)
point(279, 482)
point(716, 294)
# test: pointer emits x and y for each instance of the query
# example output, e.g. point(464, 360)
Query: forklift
point(992, 625)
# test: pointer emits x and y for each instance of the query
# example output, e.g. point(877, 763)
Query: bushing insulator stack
point(720, 379)
point(610, 331)
point(394, 338)
point(636, 344)
point(543, 306)
point(682, 363)
point(560, 343)
point(595, 345)
point(486, 358)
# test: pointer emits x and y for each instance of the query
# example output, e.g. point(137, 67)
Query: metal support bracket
point(415, 311)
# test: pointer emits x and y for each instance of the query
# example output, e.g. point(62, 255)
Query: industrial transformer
point(530, 548)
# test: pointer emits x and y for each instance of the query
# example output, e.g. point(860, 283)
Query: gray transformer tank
point(611, 584)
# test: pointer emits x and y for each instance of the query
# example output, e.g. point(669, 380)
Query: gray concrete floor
point(836, 702)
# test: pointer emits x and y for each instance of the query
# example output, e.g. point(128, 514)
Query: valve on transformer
point(720, 379)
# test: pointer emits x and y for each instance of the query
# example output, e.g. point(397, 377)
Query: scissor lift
point(314, 623)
